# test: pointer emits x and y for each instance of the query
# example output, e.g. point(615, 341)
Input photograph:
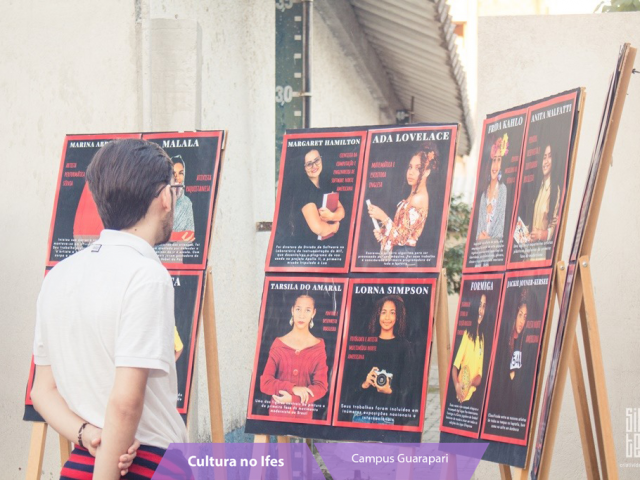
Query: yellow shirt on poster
point(469, 361)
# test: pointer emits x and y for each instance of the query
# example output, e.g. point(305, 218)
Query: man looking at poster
point(103, 348)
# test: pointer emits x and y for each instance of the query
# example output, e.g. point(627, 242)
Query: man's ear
point(166, 198)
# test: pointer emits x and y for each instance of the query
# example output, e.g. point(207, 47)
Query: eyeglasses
point(177, 186)
point(312, 163)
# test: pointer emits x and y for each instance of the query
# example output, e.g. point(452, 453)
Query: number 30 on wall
point(284, 94)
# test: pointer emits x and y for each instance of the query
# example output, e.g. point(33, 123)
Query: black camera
point(383, 378)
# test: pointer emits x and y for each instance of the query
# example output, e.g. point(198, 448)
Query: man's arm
point(55, 411)
point(124, 410)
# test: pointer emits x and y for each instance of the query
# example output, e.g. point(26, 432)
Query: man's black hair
point(124, 177)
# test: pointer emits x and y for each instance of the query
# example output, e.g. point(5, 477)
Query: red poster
point(384, 362)
point(315, 205)
point(297, 350)
point(473, 343)
point(496, 185)
point(549, 142)
point(404, 204)
point(516, 356)
point(196, 158)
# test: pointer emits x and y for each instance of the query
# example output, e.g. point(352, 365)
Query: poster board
point(320, 174)
point(474, 339)
point(496, 188)
point(298, 345)
point(76, 224)
point(384, 362)
point(404, 204)
point(403, 420)
point(515, 358)
point(516, 453)
point(544, 181)
point(196, 164)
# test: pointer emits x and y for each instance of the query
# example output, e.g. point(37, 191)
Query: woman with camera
point(385, 384)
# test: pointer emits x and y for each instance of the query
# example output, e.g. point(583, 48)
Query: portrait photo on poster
point(496, 185)
point(471, 354)
point(515, 358)
point(187, 286)
point(297, 350)
point(315, 203)
point(404, 204)
point(75, 223)
point(195, 157)
point(382, 378)
point(543, 182)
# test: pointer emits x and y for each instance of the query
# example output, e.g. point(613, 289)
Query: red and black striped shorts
point(81, 462)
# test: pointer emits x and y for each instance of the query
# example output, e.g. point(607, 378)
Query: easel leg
point(442, 334)
point(595, 369)
point(213, 367)
point(582, 410)
point(36, 450)
point(579, 392)
point(65, 450)
point(505, 472)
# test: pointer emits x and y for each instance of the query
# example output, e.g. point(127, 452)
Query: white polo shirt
point(108, 306)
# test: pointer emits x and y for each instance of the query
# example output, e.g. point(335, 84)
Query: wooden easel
point(583, 303)
point(208, 318)
point(521, 473)
point(443, 345)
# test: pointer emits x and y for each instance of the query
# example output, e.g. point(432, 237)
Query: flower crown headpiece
point(501, 147)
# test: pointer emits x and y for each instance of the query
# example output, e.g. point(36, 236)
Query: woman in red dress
point(296, 371)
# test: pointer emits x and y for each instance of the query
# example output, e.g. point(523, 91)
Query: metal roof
point(415, 42)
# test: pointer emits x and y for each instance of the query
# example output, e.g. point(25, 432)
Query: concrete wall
point(524, 58)
point(67, 67)
point(86, 66)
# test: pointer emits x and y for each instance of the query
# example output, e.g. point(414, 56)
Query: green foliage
point(459, 216)
point(610, 6)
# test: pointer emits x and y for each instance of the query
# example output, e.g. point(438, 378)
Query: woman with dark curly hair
point(403, 232)
point(514, 369)
point(387, 380)
point(517, 335)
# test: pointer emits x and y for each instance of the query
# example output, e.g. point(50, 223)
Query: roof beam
point(339, 16)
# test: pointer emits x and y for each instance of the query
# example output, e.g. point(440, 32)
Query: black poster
point(75, 222)
point(187, 286)
point(521, 323)
point(196, 158)
point(315, 205)
point(496, 185)
point(296, 354)
point(469, 366)
point(384, 362)
point(404, 205)
point(543, 182)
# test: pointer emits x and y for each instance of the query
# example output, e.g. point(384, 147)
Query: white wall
point(67, 67)
point(524, 58)
point(83, 66)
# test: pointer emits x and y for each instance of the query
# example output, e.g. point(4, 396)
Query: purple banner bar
point(232, 461)
point(294, 461)
point(406, 461)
